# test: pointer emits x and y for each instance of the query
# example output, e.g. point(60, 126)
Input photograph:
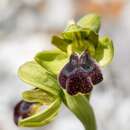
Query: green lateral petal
point(53, 61)
point(105, 51)
point(82, 34)
point(92, 36)
point(91, 21)
point(59, 43)
point(73, 31)
point(42, 118)
point(81, 40)
point(84, 45)
point(38, 96)
point(35, 75)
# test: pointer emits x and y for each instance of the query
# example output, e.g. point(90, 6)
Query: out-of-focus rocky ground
point(26, 27)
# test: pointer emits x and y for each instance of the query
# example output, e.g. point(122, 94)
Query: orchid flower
point(66, 74)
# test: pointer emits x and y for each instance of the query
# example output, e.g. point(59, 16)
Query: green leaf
point(42, 118)
point(53, 61)
point(35, 75)
point(105, 51)
point(59, 43)
point(80, 106)
point(38, 96)
point(91, 21)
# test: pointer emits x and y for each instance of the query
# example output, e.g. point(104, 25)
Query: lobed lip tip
point(78, 82)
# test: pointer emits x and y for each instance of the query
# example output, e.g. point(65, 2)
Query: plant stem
point(81, 107)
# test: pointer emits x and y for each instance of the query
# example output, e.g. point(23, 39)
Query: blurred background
point(26, 27)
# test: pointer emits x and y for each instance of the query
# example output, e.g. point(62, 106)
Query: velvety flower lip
point(80, 74)
point(22, 110)
point(78, 81)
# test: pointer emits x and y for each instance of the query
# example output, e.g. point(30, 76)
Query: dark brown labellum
point(78, 81)
point(22, 110)
point(80, 74)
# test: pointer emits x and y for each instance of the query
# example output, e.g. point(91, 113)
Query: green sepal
point(91, 21)
point(42, 118)
point(38, 96)
point(105, 51)
point(53, 60)
point(37, 76)
point(81, 107)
